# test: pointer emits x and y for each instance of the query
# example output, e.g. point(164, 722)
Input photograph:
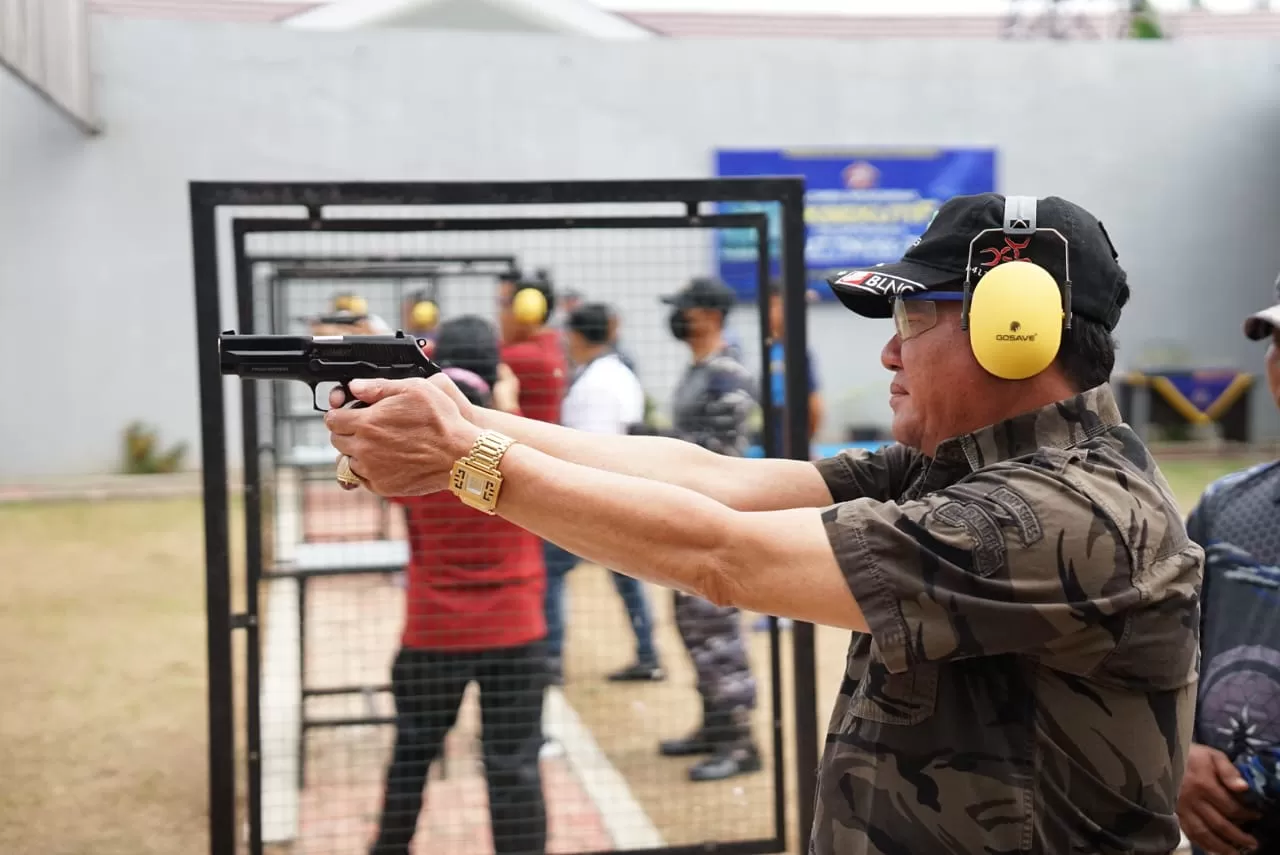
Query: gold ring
point(345, 475)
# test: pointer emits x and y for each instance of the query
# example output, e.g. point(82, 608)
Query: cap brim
point(870, 292)
point(1259, 326)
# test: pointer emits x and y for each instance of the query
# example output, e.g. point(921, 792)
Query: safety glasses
point(914, 314)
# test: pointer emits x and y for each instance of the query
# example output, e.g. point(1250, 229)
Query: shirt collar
point(1062, 424)
point(722, 350)
point(579, 370)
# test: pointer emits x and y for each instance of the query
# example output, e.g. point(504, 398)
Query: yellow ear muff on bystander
point(352, 303)
point(425, 315)
point(529, 306)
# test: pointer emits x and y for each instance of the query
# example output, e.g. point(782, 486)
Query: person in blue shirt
point(777, 350)
point(1230, 794)
point(777, 377)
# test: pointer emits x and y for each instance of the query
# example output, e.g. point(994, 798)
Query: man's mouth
point(895, 390)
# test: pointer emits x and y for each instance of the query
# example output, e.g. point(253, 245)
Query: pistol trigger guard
point(315, 399)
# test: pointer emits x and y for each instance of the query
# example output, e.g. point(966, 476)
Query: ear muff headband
point(1016, 315)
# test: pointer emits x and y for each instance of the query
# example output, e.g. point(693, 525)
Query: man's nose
point(891, 354)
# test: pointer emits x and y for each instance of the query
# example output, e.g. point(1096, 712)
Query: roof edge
point(566, 17)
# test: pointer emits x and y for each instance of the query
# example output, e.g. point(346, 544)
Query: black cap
point(1260, 324)
point(470, 342)
point(937, 261)
point(591, 321)
point(703, 293)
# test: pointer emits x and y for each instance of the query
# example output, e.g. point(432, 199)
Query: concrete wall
point(1172, 145)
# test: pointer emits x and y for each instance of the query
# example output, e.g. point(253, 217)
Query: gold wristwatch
point(476, 479)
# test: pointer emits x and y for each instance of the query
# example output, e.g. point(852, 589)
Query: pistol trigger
point(349, 400)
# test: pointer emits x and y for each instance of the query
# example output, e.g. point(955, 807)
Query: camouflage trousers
point(713, 636)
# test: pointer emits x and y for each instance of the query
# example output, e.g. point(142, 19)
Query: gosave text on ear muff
point(1016, 313)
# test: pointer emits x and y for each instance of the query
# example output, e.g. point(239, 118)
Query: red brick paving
point(341, 818)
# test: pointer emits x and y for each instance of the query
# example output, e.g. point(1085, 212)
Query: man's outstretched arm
point(776, 562)
point(407, 442)
point(744, 484)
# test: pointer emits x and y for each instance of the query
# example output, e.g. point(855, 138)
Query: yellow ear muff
point(529, 306)
point(354, 304)
point(424, 315)
point(1015, 320)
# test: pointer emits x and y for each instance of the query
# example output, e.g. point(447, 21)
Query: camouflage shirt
point(1028, 684)
point(713, 403)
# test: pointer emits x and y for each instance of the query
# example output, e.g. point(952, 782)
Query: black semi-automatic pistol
point(334, 359)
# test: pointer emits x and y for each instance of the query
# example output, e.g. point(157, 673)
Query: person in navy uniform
point(711, 407)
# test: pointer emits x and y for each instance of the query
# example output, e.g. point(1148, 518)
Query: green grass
point(1188, 478)
point(102, 652)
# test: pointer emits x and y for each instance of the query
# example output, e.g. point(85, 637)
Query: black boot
point(726, 762)
point(734, 751)
point(701, 741)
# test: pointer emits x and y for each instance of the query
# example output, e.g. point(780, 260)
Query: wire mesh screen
point(434, 679)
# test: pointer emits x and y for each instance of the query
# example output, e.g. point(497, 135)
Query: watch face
point(479, 487)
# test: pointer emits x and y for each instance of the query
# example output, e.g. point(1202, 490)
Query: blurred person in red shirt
point(533, 350)
point(473, 611)
point(536, 353)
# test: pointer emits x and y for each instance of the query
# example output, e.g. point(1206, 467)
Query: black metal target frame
point(224, 622)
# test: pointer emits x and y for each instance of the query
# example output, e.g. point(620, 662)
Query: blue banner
point(861, 207)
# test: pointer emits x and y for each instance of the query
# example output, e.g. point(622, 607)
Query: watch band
point(487, 451)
